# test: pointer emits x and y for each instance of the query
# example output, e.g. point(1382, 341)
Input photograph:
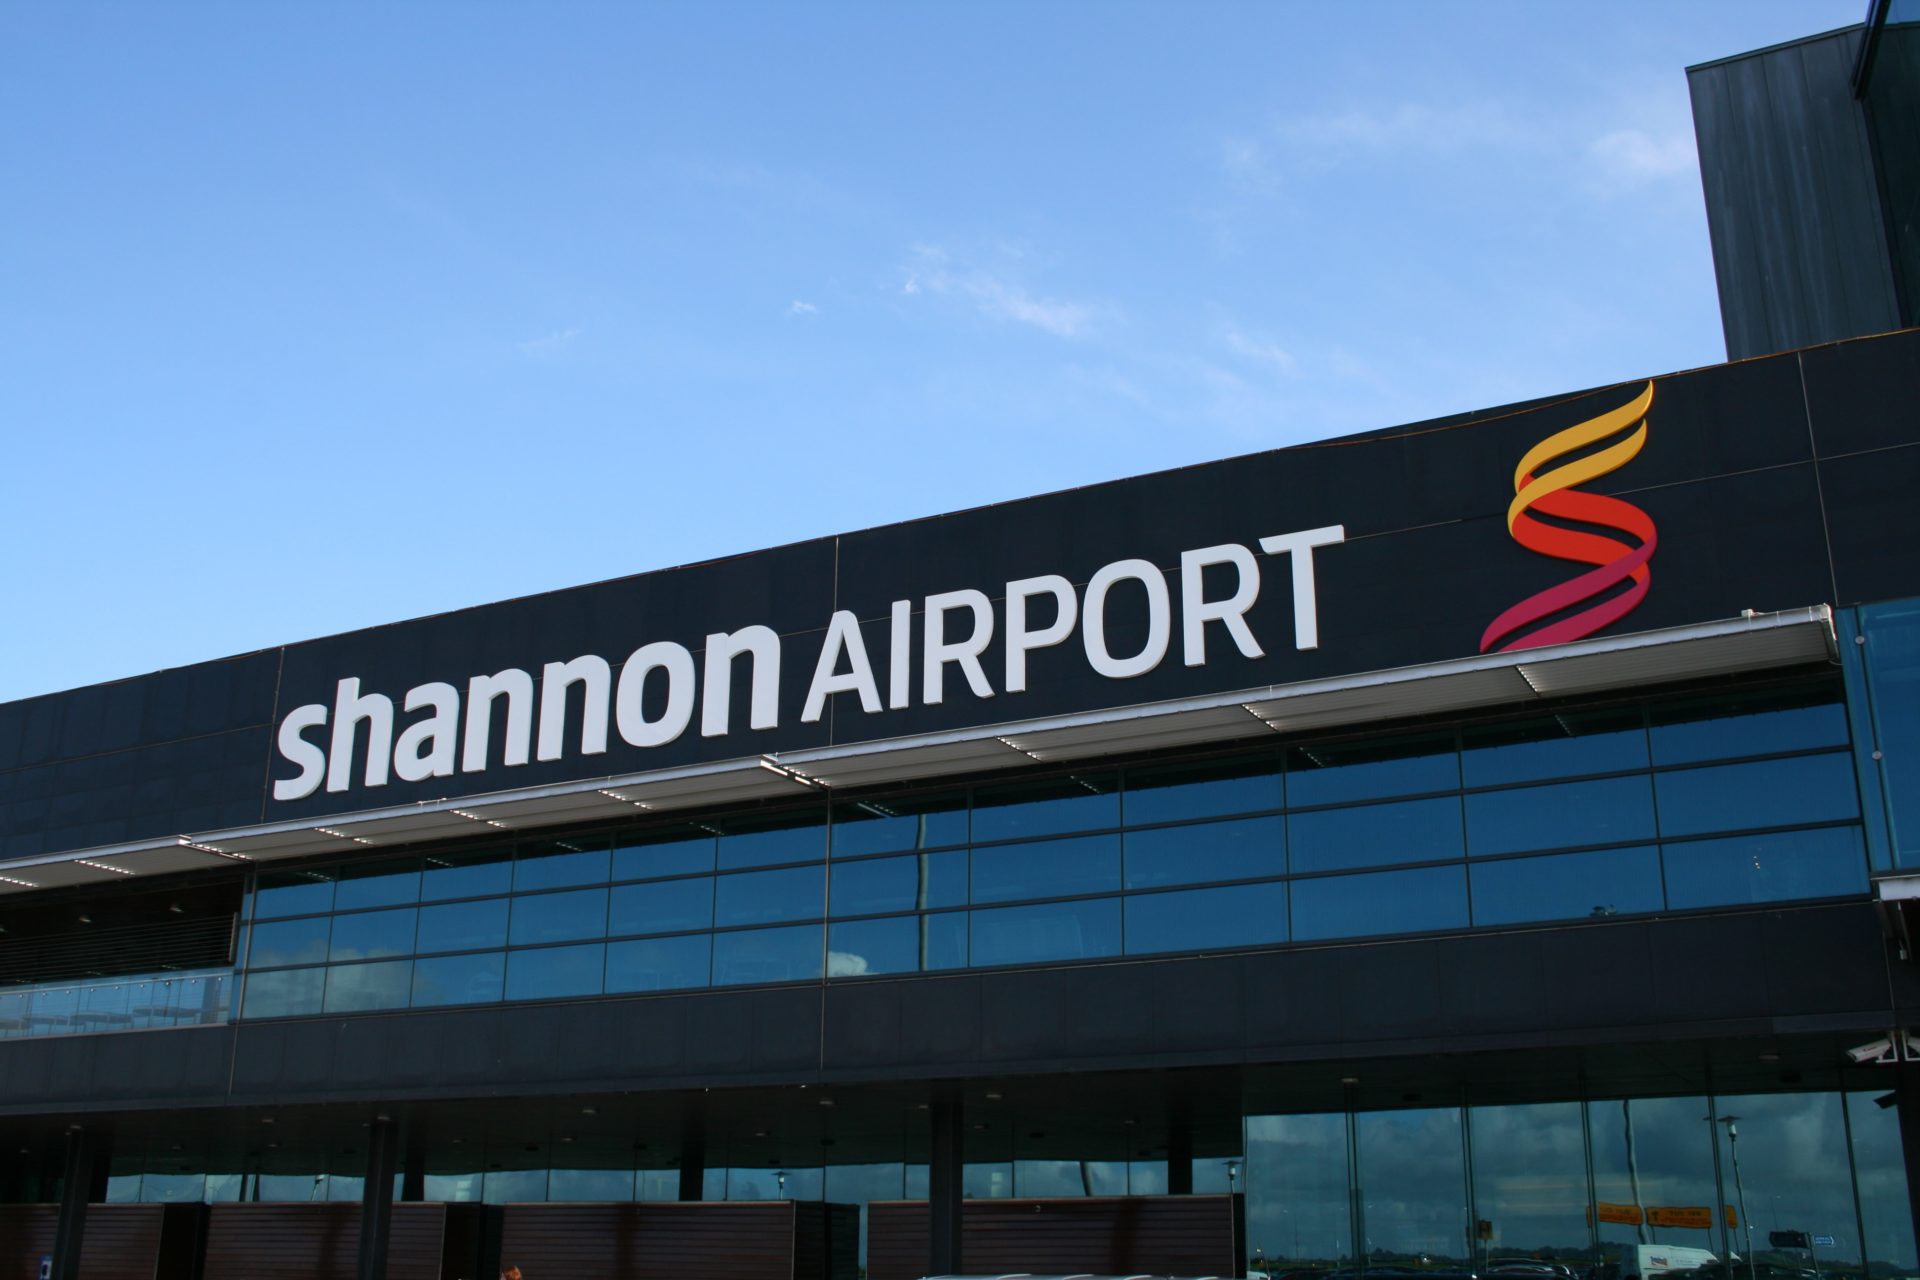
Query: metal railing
point(116, 1004)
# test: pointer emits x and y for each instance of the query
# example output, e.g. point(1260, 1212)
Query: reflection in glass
point(1822, 863)
point(464, 926)
point(672, 851)
point(1892, 662)
point(902, 944)
point(1336, 773)
point(766, 955)
point(1650, 1153)
point(378, 884)
point(1765, 793)
point(662, 907)
point(1047, 869)
point(1881, 1175)
point(1050, 931)
point(763, 842)
point(1747, 723)
point(1375, 834)
point(552, 973)
point(1413, 1187)
point(1559, 816)
point(367, 935)
point(1084, 802)
point(659, 964)
point(553, 864)
point(285, 994)
point(1783, 1161)
point(559, 917)
point(761, 897)
point(1247, 915)
point(293, 893)
point(290, 942)
point(886, 824)
point(578, 1185)
point(1381, 902)
point(475, 979)
point(1242, 849)
point(1213, 788)
point(1566, 886)
point(1298, 1208)
point(466, 875)
point(915, 882)
point(1561, 746)
point(352, 987)
point(1530, 1182)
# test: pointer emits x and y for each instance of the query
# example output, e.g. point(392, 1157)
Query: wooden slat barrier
point(738, 1240)
point(123, 1241)
point(266, 1241)
point(1114, 1235)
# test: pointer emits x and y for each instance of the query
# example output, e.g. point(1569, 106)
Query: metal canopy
point(1749, 643)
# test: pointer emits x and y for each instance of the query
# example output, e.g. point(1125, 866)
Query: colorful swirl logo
point(1535, 621)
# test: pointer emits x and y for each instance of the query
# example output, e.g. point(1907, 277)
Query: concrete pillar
point(376, 1197)
point(946, 1176)
point(83, 1179)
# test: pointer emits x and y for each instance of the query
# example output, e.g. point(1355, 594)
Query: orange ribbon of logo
point(1553, 493)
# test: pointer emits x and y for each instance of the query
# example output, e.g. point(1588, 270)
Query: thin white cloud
point(1259, 350)
point(1409, 125)
point(996, 297)
point(1637, 156)
point(799, 308)
point(550, 346)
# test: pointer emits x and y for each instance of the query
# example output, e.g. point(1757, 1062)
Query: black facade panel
point(1799, 243)
point(1870, 520)
point(1860, 394)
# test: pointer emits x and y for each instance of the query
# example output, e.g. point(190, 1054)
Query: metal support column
point(1179, 1147)
point(946, 1176)
point(1907, 1099)
point(376, 1197)
point(83, 1180)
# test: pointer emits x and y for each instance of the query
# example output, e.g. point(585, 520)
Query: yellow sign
point(1679, 1216)
point(1627, 1214)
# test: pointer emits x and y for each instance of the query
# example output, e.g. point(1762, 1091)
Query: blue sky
point(314, 317)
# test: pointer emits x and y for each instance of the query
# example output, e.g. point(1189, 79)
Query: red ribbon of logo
point(1552, 493)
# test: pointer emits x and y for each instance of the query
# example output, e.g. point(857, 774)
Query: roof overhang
point(1752, 642)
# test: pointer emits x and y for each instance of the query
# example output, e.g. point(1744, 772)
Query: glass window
point(1337, 773)
point(368, 935)
point(761, 897)
point(285, 994)
point(765, 842)
point(1047, 869)
point(902, 944)
point(1375, 834)
point(914, 882)
point(466, 875)
point(1567, 886)
point(379, 884)
point(1209, 789)
point(290, 942)
point(766, 955)
point(293, 893)
point(463, 926)
point(1246, 915)
point(1649, 1153)
point(1299, 1204)
point(1558, 746)
point(550, 973)
point(459, 979)
point(385, 985)
point(1601, 811)
point(662, 907)
point(1881, 1175)
point(559, 917)
point(672, 851)
point(884, 825)
point(1766, 793)
point(1792, 1152)
point(552, 864)
point(1747, 723)
point(1530, 1181)
point(1414, 1183)
point(1050, 931)
point(579, 1185)
point(1780, 867)
point(1084, 802)
point(1244, 849)
point(1892, 661)
point(659, 964)
point(1383, 902)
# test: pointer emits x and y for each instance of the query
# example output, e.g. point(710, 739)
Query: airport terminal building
point(1484, 845)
